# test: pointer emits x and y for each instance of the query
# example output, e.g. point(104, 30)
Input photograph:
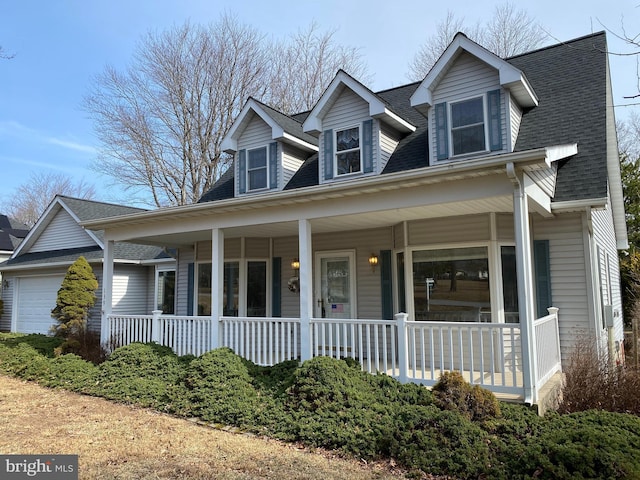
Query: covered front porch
point(410, 275)
point(487, 354)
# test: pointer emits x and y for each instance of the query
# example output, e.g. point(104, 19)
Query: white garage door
point(36, 299)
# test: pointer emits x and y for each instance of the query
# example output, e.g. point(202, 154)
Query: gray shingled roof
point(89, 210)
point(92, 210)
point(11, 233)
point(569, 80)
point(289, 124)
point(93, 254)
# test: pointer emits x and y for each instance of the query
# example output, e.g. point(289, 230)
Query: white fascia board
point(377, 108)
point(579, 205)
point(158, 261)
point(298, 142)
point(559, 152)
point(230, 141)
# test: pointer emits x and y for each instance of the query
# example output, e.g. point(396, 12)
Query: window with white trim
point(257, 169)
point(468, 126)
point(347, 152)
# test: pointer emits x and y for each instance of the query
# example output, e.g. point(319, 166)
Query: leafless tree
point(628, 131)
point(509, 31)
point(30, 200)
point(5, 55)
point(160, 123)
point(304, 65)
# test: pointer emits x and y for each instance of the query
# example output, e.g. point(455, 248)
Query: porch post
point(525, 285)
point(403, 347)
point(217, 278)
point(306, 287)
point(107, 292)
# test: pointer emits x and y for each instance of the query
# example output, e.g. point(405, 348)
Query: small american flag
point(337, 308)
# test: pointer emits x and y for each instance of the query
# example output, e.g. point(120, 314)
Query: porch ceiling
point(341, 223)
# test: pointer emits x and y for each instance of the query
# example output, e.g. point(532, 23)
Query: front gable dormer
point(473, 101)
point(357, 130)
point(268, 147)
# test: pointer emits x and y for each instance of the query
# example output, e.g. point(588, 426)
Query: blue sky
point(60, 45)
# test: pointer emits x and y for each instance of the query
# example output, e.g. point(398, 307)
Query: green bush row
point(457, 430)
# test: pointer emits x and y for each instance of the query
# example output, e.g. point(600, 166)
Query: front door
point(335, 285)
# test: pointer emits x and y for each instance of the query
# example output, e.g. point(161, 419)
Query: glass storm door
point(335, 297)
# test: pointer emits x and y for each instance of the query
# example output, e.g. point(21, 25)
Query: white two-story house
point(467, 222)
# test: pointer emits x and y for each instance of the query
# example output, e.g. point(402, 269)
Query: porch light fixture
point(295, 264)
point(373, 261)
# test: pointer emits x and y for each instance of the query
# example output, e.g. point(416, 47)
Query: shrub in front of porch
point(144, 374)
point(219, 389)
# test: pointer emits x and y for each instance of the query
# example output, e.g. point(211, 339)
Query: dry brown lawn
point(117, 441)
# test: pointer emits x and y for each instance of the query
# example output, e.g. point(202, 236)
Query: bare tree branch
point(31, 198)
point(510, 31)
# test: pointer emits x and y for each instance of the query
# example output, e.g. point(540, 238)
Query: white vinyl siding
point(449, 229)
point(130, 291)
point(515, 117)
point(468, 77)
point(292, 160)
point(347, 111)
point(62, 232)
point(185, 257)
point(568, 275)
point(603, 232)
point(257, 134)
point(389, 139)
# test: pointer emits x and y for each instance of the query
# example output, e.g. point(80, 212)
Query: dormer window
point(257, 171)
point(348, 151)
point(467, 126)
point(472, 125)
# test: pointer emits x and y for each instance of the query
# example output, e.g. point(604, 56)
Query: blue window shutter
point(495, 120)
point(190, 287)
point(386, 284)
point(542, 276)
point(367, 146)
point(276, 287)
point(242, 171)
point(273, 165)
point(442, 133)
point(328, 154)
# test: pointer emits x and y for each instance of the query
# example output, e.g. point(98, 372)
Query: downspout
point(525, 285)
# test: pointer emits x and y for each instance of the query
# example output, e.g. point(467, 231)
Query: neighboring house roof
point(11, 233)
point(569, 81)
point(79, 210)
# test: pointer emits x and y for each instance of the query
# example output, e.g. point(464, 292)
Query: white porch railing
point(547, 337)
point(264, 341)
point(487, 354)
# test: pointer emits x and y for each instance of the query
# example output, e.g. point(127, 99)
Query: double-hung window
point(257, 169)
point(348, 151)
point(468, 126)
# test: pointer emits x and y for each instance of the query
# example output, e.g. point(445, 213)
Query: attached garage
point(35, 297)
